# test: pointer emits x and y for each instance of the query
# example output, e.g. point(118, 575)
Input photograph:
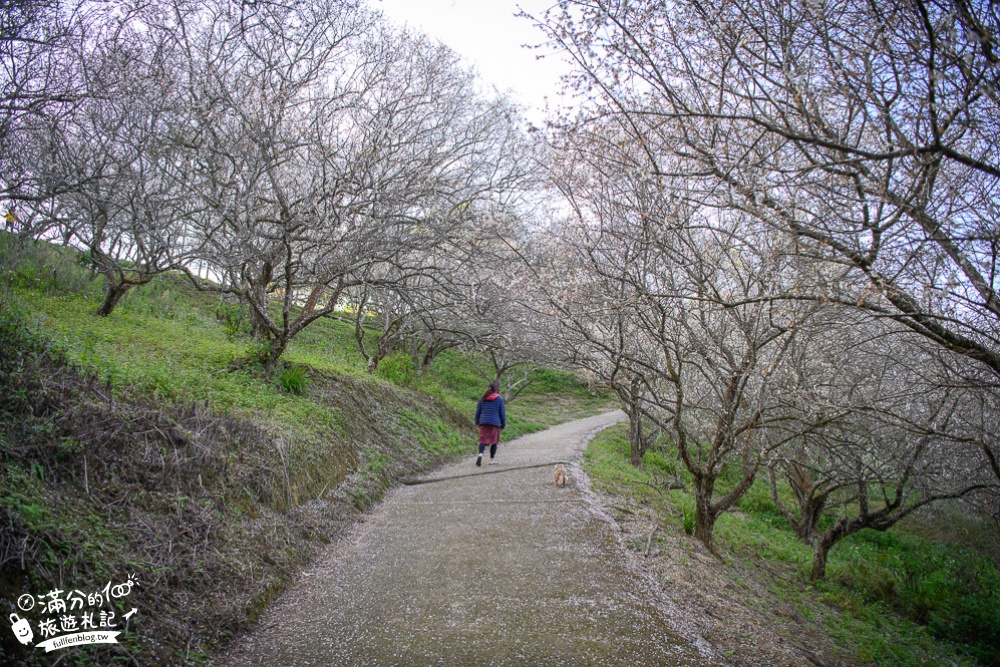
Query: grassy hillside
point(926, 592)
point(146, 443)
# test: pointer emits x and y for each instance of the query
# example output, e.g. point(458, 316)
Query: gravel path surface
point(477, 566)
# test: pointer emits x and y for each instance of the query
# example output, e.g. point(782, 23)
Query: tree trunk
point(822, 549)
point(276, 348)
point(258, 326)
point(429, 355)
point(811, 497)
point(704, 517)
point(637, 447)
point(431, 352)
point(881, 520)
point(812, 510)
point(818, 571)
point(373, 361)
point(635, 456)
point(113, 293)
point(639, 442)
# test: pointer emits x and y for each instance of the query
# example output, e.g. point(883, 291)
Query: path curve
point(483, 566)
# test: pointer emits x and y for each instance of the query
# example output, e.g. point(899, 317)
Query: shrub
point(45, 267)
point(688, 510)
point(397, 368)
point(952, 591)
point(293, 380)
point(235, 320)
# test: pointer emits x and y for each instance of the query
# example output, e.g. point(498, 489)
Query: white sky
point(488, 35)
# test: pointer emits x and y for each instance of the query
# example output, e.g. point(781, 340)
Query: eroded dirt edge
point(722, 606)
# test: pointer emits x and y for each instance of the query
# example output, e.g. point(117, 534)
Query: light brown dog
point(559, 475)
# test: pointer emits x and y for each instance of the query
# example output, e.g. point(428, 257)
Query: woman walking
point(491, 418)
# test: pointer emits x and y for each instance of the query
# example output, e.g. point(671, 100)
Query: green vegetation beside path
point(924, 592)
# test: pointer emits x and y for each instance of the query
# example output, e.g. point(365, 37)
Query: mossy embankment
point(926, 592)
point(145, 443)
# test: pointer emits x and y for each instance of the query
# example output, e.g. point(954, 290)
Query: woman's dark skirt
point(489, 435)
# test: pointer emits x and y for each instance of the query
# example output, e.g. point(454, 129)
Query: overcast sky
point(490, 37)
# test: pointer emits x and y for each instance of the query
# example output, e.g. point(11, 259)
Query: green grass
point(166, 340)
point(293, 380)
point(895, 598)
point(171, 343)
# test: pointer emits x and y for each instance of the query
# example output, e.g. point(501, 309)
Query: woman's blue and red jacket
point(491, 411)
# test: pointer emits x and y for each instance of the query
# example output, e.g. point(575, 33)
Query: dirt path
point(482, 566)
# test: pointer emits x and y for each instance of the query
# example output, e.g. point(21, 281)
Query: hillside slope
point(925, 592)
point(144, 444)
